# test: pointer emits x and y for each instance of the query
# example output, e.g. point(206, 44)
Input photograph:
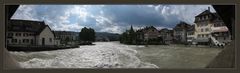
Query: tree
point(128, 37)
point(87, 34)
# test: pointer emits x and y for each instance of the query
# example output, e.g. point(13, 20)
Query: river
point(116, 55)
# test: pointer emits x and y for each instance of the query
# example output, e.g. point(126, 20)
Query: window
point(31, 41)
point(202, 18)
point(206, 29)
point(14, 40)
point(50, 39)
point(201, 30)
point(10, 34)
point(20, 34)
point(23, 41)
point(27, 40)
point(19, 41)
point(199, 35)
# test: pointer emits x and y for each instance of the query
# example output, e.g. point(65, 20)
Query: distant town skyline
point(109, 18)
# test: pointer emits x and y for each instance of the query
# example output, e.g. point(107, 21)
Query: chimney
point(208, 8)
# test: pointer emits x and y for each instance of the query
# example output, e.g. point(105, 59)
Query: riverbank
point(31, 48)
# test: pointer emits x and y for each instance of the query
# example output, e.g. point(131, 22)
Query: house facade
point(190, 34)
point(220, 32)
point(180, 32)
point(26, 32)
point(210, 29)
point(67, 37)
point(148, 33)
point(166, 35)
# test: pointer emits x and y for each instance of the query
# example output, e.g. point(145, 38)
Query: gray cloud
point(109, 18)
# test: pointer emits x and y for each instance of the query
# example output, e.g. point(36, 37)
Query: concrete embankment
point(225, 59)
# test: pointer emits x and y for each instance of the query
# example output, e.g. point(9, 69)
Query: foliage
point(128, 37)
point(132, 37)
point(87, 34)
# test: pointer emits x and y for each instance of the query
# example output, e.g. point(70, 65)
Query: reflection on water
point(116, 55)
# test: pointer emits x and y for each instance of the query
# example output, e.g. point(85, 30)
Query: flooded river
point(116, 55)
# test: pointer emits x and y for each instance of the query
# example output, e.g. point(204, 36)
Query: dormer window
point(206, 16)
point(198, 18)
point(202, 18)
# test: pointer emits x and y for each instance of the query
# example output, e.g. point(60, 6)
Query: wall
point(47, 34)
point(20, 38)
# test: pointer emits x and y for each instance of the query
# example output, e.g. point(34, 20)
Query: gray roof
point(57, 33)
point(26, 26)
point(181, 26)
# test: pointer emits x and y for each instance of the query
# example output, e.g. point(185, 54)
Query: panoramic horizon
point(200, 37)
point(109, 18)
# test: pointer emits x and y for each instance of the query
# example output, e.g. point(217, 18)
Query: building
point(148, 33)
point(220, 32)
point(67, 37)
point(190, 34)
point(26, 32)
point(166, 35)
point(210, 29)
point(180, 32)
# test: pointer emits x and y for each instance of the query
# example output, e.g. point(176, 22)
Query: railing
point(216, 42)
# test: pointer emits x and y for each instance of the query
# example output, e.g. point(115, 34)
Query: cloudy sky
point(109, 18)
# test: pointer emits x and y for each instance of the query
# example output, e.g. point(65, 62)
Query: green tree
point(128, 37)
point(87, 34)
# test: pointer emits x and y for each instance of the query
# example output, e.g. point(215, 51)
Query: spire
point(131, 29)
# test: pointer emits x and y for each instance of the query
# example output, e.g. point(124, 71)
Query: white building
point(26, 32)
point(210, 29)
point(67, 37)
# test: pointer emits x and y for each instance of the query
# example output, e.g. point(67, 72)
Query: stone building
point(190, 35)
point(147, 33)
point(180, 32)
point(166, 35)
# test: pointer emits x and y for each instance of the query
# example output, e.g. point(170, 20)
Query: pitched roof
point(26, 26)
point(58, 33)
point(204, 13)
point(146, 29)
point(191, 28)
point(181, 25)
point(213, 16)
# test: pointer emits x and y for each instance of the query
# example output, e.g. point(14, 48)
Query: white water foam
point(101, 55)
